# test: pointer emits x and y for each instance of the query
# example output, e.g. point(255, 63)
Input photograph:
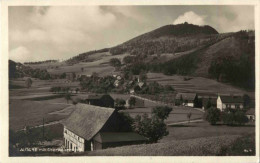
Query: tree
point(68, 97)
point(132, 101)
point(142, 76)
point(28, 82)
point(189, 116)
point(63, 76)
point(240, 117)
point(234, 117)
point(212, 115)
point(153, 128)
point(120, 103)
point(228, 117)
point(208, 104)
point(247, 101)
point(77, 90)
point(162, 112)
point(115, 62)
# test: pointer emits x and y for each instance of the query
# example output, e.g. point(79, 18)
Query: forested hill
point(188, 49)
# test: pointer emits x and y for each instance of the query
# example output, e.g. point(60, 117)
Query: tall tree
point(68, 97)
point(28, 82)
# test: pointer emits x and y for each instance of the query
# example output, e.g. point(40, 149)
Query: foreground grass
point(210, 146)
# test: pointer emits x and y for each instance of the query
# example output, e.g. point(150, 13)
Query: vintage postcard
point(161, 81)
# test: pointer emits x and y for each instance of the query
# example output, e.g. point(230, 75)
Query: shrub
point(212, 115)
point(234, 117)
point(162, 112)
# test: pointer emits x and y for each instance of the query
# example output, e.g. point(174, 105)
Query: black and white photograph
point(131, 80)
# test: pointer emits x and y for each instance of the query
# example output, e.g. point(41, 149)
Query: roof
point(94, 96)
point(186, 96)
point(231, 99)
point(106, 137)
point(87, 120)
point(251, 111)
point(140, 84)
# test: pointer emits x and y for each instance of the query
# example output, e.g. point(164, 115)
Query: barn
point(99, 100)
point(187, 99)
point(91, 128)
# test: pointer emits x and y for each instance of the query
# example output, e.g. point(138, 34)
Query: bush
point(212, 115)
point(162, 112)
point(234, 117)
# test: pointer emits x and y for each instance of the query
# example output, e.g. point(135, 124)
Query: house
point(139, 103)
point(99, 100)
point(141, 84)
point(116, 83)
point(187, 99)
point(251, 114)
point(91, 128)
point(131, 91)
point(229, 101)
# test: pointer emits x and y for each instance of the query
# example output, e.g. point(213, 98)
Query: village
point(93, 121)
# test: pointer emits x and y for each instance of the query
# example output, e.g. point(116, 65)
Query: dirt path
point(183, 122)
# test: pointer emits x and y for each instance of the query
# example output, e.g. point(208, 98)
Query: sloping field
point(196, 84)
point(192, 147)
point(31, 113)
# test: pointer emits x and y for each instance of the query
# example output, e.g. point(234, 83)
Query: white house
point(229, 101)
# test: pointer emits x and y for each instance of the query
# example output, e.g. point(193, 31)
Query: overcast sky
point(41, 33)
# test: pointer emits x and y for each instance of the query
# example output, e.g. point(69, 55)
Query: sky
point(61, 32)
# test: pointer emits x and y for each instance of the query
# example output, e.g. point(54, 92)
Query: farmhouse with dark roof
point(91, 127)
point(187, 99)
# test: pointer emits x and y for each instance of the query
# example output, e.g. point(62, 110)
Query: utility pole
point(43, 128)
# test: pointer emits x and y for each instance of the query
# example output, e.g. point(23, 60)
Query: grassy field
point(30, 113)
point(204, 129)
point(178, 114)
point(99, 63)
point(196, 84)
point(190, 147)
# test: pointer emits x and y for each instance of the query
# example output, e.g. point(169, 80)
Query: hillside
point(183, 49)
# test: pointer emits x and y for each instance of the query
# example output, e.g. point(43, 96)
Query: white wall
point(75, 140)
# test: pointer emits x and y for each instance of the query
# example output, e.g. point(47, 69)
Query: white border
point(4, 82)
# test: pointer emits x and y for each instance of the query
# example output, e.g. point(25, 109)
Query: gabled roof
point(231, 99)
point(141, 84)
point(94, 96)
point(186, 96)
point(87, 120)
point(107, 137)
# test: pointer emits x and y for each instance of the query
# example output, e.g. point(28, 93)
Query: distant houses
point(229, 101)
point(91, 128)
point(102, 100)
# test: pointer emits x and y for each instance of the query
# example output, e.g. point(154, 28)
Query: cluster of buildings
point(221, 102)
